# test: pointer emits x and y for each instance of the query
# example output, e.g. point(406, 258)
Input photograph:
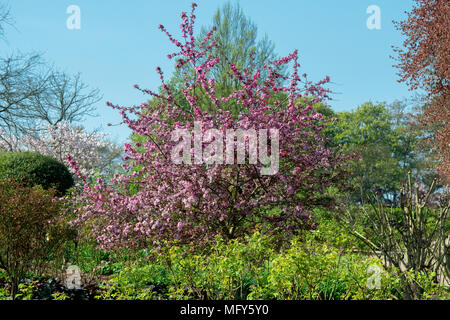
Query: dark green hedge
point(35, 169)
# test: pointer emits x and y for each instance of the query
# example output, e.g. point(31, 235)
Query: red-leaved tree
point(160, 199)
point(425, 63)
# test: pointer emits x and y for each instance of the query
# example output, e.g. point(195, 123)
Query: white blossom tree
point(94, 153)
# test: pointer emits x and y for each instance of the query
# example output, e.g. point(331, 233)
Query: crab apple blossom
point(158, 199)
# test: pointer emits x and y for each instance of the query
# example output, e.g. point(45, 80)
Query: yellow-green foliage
point(252, 269)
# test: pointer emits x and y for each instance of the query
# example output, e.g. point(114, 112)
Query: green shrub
point(32, 169)
point(332, 232)
point(250, 269)
point(228, 270)
point(135, 283)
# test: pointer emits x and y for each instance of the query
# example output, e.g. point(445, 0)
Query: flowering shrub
point(92, 151)
point(198, 201)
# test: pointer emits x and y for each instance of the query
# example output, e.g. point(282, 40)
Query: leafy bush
point(29, 234)
point(224, 271)
point(251, 269)
point(316, 271)
point(322, 264)
point(134, 283)
point(35, 169)
point(332, 232)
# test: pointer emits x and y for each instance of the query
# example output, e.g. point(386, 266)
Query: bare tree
point(5, 18)
point(21, 82)
point(65, 98)
point(30, 92)
point(33, 93)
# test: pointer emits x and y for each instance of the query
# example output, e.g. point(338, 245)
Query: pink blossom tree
point(196, 201)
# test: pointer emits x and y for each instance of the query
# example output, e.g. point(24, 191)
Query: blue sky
point(119, 44)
